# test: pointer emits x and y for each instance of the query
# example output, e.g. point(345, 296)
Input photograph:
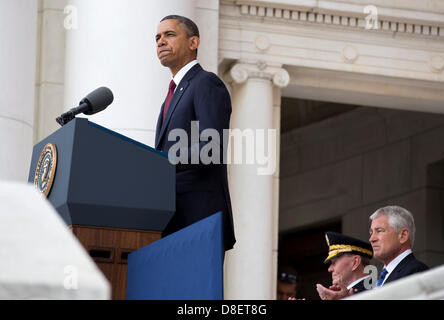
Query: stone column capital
point(241, 72)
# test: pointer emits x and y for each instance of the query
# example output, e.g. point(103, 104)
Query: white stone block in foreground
point(425, 285)
point(40, 257)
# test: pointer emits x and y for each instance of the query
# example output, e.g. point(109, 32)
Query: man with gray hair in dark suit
point(392, 234)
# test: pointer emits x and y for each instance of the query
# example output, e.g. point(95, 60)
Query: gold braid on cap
point(339, 248)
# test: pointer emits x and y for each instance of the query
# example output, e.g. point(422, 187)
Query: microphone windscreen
point(98, 100)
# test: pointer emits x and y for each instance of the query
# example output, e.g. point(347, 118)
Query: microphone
point(94, 102)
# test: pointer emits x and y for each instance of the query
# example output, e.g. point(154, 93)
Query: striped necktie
point(381, 277)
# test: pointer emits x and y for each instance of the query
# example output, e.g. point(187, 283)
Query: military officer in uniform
point(348, 257)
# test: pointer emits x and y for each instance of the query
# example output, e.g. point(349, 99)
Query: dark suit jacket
point(201, 189)
point(409, 265)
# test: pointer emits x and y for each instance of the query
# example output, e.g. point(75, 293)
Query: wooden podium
point(109, 248)
point(116, 194)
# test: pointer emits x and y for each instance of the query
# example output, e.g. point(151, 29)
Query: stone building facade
point(387, 59)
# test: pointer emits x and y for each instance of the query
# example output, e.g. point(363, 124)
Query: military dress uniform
point(359, 287)
point(339, 244)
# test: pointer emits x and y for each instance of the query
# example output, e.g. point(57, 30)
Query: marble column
point(113, 45)
point(250, 268)
point(18, 38)
point(50, 67)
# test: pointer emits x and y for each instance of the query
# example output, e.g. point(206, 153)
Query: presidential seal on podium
point(45, 171)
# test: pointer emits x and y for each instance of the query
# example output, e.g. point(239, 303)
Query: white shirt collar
point(182, 72)
point(394, 263)
point(356, 282)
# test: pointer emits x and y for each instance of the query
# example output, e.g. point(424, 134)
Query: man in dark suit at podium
point(193, 95)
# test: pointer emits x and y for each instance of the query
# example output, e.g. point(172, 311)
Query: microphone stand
point(71, 114)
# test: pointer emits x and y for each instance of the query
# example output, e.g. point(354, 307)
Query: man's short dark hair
point(190, 27)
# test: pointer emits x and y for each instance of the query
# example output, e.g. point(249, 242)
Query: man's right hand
point(334, 292)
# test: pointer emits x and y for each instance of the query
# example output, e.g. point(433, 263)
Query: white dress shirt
point(392, 265)
point(182, 72)
point(355, 282)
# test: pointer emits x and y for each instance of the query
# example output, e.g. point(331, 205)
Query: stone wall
point(346, 167)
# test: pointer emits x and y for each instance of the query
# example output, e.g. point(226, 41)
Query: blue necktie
point(381, 277)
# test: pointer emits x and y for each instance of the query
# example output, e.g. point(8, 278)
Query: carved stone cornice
point(342, 14)
point(241, 72)
point(281, 32)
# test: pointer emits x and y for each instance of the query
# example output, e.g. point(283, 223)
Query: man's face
point(286, 290)
point(341, 269)
point(385, 241)
point(174, 47)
